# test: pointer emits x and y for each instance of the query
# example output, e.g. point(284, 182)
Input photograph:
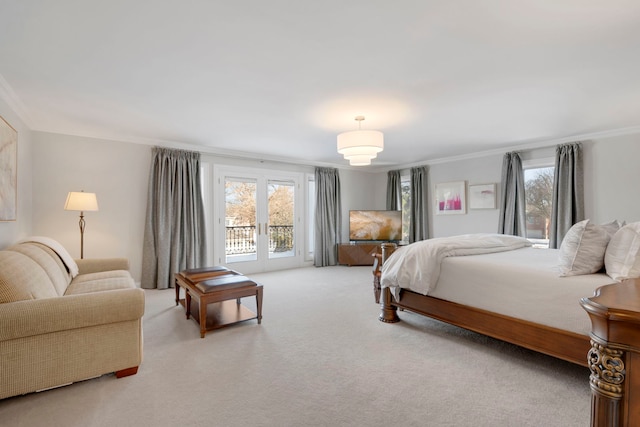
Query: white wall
point(481, 170)
point(611, 182)
point(116, 171)
point(12, 231)
point(612, 177)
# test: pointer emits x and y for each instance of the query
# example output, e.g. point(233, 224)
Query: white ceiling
point(280, 78)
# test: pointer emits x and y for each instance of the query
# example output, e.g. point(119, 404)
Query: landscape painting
point(8, 172)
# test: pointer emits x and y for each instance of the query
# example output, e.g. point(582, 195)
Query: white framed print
point(482, 196)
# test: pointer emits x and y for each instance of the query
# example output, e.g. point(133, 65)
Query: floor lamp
point(81, 201)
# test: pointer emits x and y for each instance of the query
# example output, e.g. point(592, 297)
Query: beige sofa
point(57, 329)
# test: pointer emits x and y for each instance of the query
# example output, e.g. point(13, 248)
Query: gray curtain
point(419, 224)
point(513, 208)
point(394, 189)
point(328, 217)
point(174, 235)
point(567, 206)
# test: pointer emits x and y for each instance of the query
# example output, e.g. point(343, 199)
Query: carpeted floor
point(320, 358)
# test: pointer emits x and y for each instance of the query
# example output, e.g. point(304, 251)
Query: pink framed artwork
point(450, 198)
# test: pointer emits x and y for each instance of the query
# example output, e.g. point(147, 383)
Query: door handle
point(259, 229)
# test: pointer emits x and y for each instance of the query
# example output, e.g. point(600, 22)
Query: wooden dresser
point(357, 254)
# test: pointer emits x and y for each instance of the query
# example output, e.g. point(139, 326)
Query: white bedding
point(522, 283)
point(417, 266)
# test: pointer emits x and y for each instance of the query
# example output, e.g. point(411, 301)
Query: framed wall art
point(482, 196)
point(450, 198)
point(8, 171)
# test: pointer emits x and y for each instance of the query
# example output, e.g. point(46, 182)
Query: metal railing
point(241, 239)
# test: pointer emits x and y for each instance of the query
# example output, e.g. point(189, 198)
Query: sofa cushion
point(49, 261)
point(21, 278)
point(90, 277)
point(69, 263)
point(102, 281)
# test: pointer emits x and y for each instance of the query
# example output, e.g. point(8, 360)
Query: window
point(311, 214)
point(405, 196)
point(538, 182)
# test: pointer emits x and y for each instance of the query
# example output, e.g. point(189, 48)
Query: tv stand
point(357, 254)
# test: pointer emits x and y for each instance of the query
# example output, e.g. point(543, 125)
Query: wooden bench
point(212, 290)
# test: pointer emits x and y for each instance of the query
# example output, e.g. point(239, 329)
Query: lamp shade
point(359, 160)
point(360, 142)
point(81, 201)
point(360, 146)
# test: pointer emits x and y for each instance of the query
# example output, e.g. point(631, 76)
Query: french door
point(258, 218)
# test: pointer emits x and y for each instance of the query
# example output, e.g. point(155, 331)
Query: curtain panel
point(513, 208)
point(567, 206)
point(328, 221)
point(394, 190)
point(419, 224)
point(174, 235)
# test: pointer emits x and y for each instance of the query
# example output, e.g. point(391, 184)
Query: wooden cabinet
point(357, 254)
point(615, 354)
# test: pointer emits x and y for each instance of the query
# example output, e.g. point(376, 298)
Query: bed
point(514, 293)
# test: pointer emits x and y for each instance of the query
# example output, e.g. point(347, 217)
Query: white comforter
point(417, 266)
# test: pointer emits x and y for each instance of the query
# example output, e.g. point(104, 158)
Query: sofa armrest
point(95, 265)
point(41, 316)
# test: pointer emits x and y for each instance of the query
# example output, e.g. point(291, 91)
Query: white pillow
point(583, 247)
point(622, 258)
point(613, 226)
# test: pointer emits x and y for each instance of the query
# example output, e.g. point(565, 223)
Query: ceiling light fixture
point(360, 146)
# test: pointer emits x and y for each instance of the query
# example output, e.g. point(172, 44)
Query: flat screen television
point(378, 225)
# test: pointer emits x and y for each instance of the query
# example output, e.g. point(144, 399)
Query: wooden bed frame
point(610, 351)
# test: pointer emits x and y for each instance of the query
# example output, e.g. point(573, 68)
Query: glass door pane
point(240, 219)
point(281, 219)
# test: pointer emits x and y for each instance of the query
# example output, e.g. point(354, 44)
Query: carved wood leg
point(607, 385)
point(388, 312)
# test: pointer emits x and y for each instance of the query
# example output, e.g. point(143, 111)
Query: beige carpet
point(320, 358)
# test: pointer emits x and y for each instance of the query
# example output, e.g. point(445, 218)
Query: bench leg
point(202, 308)
point(259, 304)
point(187, 302)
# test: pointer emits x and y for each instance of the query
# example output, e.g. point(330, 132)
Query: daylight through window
point(539, 194)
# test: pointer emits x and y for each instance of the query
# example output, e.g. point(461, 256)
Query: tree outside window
point(405, 194)
point(539, 196)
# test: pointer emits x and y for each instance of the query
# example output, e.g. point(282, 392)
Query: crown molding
point(204, 149)
point(525, 145)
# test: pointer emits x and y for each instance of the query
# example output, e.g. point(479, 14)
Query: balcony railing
point(241, 239)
